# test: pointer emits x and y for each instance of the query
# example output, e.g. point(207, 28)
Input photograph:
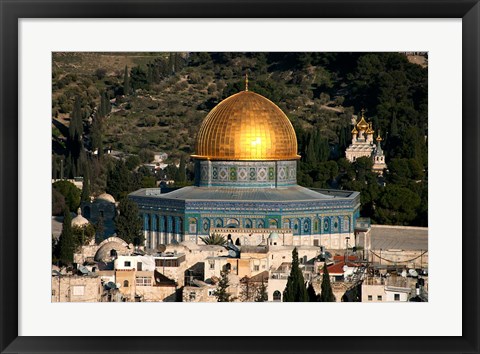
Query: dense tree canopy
point(170, 93)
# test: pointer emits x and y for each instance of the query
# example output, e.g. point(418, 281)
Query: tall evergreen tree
point(221, 292)
point(181, 175)
point(326, 294)
point(97, 135)
point(66, 242)
point(105, 105)
point(126, 82)
point(295, 291)
point(119, 181)
point(85, 197)
point(128, 223)
point(311, 154)
point(100, 230)
point(75, 136)
point(312, 295)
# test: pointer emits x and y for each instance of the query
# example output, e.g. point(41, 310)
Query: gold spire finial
point(363, 112)
point(379, 138)
point(246, 81)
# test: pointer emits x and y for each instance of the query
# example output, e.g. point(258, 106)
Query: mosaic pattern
point(252, 173)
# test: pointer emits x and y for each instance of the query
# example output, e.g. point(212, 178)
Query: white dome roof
point(105, 197)
point(273, 236)
point(79, 220)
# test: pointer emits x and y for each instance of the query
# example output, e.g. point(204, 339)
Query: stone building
point(245, 178)
point(76, 288)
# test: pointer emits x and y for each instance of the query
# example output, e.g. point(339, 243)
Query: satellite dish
point(161, 248)
point(404, 273)
point(345, 268)
point(413, 272)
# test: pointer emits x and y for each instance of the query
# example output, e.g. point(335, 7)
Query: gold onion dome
point(246, 126)
point(362, 125)
point(370, 130)
point(354, 130)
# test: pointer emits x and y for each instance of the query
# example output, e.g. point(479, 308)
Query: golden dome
point(362, 125)
point(354, 130)
point(246, 126)
point(370, 130)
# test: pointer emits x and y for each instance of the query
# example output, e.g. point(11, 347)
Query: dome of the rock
point(246, 126)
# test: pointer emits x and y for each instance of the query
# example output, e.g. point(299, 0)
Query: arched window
point(237, 242)
point(277, 296)
point(113, 253)
point(125, 284)
point(272, 224)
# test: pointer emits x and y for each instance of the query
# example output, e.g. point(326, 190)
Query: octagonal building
point(245, 185)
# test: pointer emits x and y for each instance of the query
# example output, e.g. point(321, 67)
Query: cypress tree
point(85, 197)
point(326, 294)
point(126, 82)
point(181, 174)
point(295, 291)
point(66, 242)
point(312, 295)
point(100, 230)
point(311, 155)
point(394, 125)
point(128, 223)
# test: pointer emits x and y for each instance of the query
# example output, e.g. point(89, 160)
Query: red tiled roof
point(337, 268)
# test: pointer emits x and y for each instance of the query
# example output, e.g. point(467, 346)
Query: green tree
point(85, 196)
point(181, 173)
point(128, 223)
point(248, 290)
point(295, 290)
point(75, 137)
point(66, 242)
point(138, 78)
point(126, 82)
point(69, 192)
point(99, 230)
point(397, 206)
point(132, 162)
point(119, 181)
point(214, 239)
point(262, 295)
point(83, 235)
point(312, 295)
point(221, 292)
point(58, 203)
point(326, 294)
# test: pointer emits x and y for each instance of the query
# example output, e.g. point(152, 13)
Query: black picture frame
point(12, 11)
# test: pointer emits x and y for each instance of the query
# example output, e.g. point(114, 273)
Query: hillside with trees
point(135, 104)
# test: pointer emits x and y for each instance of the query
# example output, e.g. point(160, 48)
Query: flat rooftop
point(293, 193)
point(406, 238)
